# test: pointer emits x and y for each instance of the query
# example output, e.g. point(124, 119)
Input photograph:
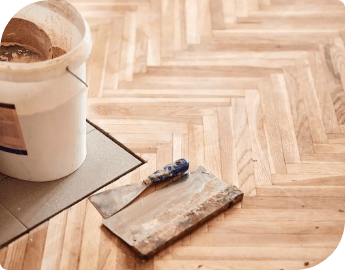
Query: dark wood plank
point(173, 211)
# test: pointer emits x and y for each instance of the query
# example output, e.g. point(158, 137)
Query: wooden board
point(163, 217)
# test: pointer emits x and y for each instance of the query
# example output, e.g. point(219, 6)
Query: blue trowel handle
point(177, 168)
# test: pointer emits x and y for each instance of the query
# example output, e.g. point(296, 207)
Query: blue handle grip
point(178, 167)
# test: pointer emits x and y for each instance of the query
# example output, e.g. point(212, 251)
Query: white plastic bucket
point(42, 106)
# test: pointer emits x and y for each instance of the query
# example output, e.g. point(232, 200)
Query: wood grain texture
point(253, 89)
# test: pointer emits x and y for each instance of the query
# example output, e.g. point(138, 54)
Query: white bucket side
point(50, 103)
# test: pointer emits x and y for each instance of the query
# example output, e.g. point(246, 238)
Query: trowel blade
point(110, 202)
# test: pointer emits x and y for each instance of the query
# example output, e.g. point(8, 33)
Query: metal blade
point(110, 202)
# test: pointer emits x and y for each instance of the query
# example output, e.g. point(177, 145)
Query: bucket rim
point(72, 59)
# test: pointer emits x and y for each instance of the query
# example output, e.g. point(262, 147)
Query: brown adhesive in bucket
point(11, 137)
point(24, 42)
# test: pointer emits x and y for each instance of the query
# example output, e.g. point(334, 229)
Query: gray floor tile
point(10, 227)
point(32, 202)
point(89, 127)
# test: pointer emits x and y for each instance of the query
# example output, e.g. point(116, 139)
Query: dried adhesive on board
point(11, 136)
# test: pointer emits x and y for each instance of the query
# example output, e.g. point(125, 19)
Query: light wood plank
point(298, 110)
point(311, 191)
point(54, 242)
point(274, 143)
point(285, 120)
point(16, 253)
point(244, 253)
point(35, 248)
point(243, 147)
point(258, 138)
point(216, 264)
point(305, 82)
point(228, 157)
point(211, 145)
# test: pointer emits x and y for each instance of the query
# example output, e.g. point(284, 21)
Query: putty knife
point(112, 201)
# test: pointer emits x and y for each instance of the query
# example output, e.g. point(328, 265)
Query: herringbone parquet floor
point(250, 89)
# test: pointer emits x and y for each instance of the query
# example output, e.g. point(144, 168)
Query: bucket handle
point(67, 69)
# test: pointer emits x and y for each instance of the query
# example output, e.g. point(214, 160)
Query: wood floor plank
point(217, 14)
point(294, 203)
point(111, 76)
point(233, 264)
point(308, 180)
point(211, 145)
point(192, 31)
point(154, 38)
point(305, 82)
point(35, 248)
point(285, 121)
point(310, 191)
point(228, 157)
point(285, 214)
point(16, 253)
point(244, 253)
point(267, 240)
point(276, 227)
point(243, 146)
point(323, 94)
point(257, 133)
point(73, 236)
point(274, 143)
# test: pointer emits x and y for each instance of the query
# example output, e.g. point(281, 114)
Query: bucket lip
point(50, 64)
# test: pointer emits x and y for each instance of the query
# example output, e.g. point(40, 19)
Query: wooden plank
point(294, 203)
point(228, 157)
point(16, 253)
point(217, 14)
point(308, 180)
point(258, 138)
point(305, 82)
point(301, 123)
point(191, 9)
point(316, 168)
point(335, 86)
point(91, 238)
point(310, 191)
point(154, 38)
point(98, 64)
point(267, 240)
point(285, 122)
point(252, 253)
point(323, 94)
point(167, 47)
point(274, 143)
point(3, 253)
point(276, 227)
point(54, 242)
point(128, 47)
point(192, 197)
point(329, 148)
point(111, 76)
point(211, 145)
point(285, 214)
point(205, 18)
point(196, 146)
point(243, 146)
point(141, 39)
point(35, 248)
point(323, 157)
point(73, 236)
point(215, 264)
point(336, 138)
